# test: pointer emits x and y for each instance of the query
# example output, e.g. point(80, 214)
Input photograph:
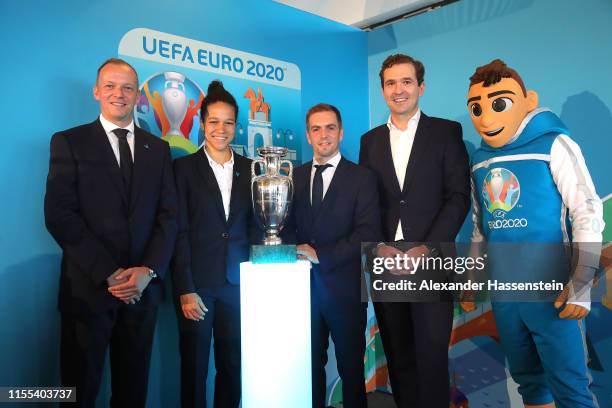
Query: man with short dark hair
point(111, 206)
point(422, 170)
point(335, 209)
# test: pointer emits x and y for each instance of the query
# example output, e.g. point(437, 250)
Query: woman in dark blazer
point(215, 221)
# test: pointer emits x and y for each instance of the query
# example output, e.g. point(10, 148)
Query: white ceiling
point(358, 13)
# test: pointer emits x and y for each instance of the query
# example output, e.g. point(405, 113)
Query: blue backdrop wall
point(562, 50)
point(51, 51)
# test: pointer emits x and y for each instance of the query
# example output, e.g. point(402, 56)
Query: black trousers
point(128, 330)
point(415, 337)
point(221, 322)
point(346, 324)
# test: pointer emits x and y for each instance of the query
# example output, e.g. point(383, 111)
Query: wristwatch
point(152, 274)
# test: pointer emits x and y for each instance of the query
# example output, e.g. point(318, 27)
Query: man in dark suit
point(335, 209)
point(111, 206)
point(423, 178)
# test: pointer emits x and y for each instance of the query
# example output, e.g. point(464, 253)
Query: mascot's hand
point(467, 306)
point(570, 311)
point(466, 301)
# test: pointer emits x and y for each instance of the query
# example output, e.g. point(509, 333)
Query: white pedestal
point(275, 335)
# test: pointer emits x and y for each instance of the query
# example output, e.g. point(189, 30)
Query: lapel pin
point(237, 174)
point(146, 146)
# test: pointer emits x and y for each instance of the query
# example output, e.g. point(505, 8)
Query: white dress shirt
point(327, 175)
point(401, 147)
point(114, 141)
point(224, 173)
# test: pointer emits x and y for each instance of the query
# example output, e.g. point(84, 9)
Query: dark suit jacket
point(98, 225)
point(435, 197)
point(209, 249)
point(348, 216)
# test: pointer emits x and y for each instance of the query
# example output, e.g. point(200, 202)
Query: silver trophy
point(174, 101)
point(272, 192)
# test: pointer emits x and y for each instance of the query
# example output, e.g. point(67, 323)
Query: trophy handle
point(290, 175)
point(253, 163)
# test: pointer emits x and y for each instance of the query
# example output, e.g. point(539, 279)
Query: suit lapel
point(240, 171)
point(308, 189)
point(101, 140)
point(388, 166)
point(419, 147)
point(209, 178)
point(141, 158)
point(300, 205)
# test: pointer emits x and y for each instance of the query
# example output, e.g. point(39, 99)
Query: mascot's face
point(498, 110)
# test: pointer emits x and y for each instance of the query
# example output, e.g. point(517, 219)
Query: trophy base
point(272, 240)
point(261, 254)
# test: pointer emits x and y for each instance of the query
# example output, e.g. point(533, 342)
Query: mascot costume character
point(531, 188)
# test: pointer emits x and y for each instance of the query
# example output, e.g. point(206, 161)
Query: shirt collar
point(414, 119)
point(212, 162)
point(333, 161)
point(110, 126)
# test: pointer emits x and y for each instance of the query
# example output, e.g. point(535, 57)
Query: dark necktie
point(125, 158)
point(317, 187)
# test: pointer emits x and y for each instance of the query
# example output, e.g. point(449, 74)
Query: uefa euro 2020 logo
point(500, 191)
point(169, 107)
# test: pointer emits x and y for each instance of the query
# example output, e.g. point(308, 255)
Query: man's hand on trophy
point(193, 307)
point(307, 252)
